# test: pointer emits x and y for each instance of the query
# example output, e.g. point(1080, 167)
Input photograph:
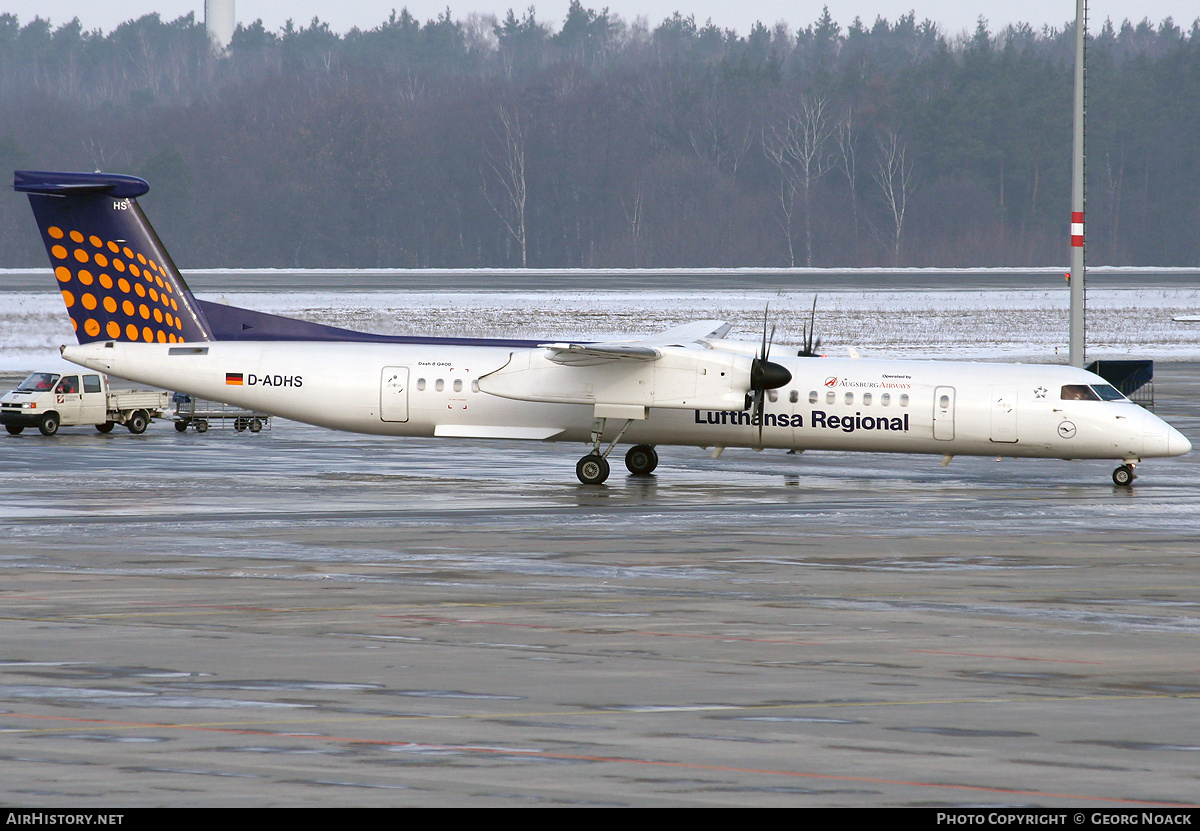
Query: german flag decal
point(233, 379)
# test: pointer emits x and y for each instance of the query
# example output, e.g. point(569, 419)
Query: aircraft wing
point(647, 349)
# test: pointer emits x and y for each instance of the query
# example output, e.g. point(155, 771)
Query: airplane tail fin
point(116, 278)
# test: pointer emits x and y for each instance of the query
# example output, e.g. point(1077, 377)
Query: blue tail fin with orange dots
point(117, 280)
point(120, 284)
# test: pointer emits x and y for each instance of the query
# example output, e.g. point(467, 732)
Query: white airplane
point(136, 319)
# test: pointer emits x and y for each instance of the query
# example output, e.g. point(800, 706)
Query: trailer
point(47, 401)
point(201, 415)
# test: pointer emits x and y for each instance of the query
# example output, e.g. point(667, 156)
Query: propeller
point(811, 346)
point(765, 375)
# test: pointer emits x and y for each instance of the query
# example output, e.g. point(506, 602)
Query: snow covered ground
point(981, 324)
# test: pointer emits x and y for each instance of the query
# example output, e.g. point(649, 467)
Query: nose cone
point(1161, 439)
point(1177, 443)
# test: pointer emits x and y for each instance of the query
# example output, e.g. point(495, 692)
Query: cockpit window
point(1107, 392)
point(1078, 392)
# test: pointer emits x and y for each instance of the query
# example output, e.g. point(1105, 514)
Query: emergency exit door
point(393, 394)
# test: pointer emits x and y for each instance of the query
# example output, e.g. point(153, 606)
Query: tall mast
point(1076, 353)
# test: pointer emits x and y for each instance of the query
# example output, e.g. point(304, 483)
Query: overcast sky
point(952, 15)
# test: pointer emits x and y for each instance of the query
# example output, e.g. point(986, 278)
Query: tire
point(13, 429)
point(137, 422)
point(255, 425)
point(592, 469)
point(641, 459)
point(201, 425)
point(1123, 476)
point(49, 424)
point(106, 427)
point(181, 425)
point(239, 424)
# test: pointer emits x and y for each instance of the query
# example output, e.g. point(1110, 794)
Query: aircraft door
point(943, 413)
point(393, 394)
point(1004, 414)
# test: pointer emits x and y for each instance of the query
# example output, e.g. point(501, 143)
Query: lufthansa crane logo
point(1066, 430)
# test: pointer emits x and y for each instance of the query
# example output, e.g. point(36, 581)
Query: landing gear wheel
point(106, 427)
point(181, 425)
point(641, 459)
point(49, 424)
point(137, 422)
point(13, 429)
point(255, 425)
point(1123, 476)
point(592, 469)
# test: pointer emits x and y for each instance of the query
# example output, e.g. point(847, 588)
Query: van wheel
point(13, 429)
point(106, 427)
point(49, 425)
point(137, 422)
point(181, 426)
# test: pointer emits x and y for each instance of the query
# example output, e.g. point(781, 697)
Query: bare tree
point(893, 173)
point(797, 145)
point(508, 166)
point(846, 138)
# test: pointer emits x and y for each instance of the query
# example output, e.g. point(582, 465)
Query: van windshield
point(38, 382)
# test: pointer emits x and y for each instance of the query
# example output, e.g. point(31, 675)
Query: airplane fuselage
point(936, 407)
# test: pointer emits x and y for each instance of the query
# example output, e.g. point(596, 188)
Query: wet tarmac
point(303, 617)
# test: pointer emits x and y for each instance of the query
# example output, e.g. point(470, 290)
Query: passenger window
point(421, 384)
point(69, 384)
point(885, 399)
point(866, 399)
point(474, 386)
point(772, 396)
point(91, 383)
point(944, 402)
point(830, 397)
point(458, 385)
point(849, 399)
point(439, 385)
point(812, 397)
point(794, 396)
point(903, 399)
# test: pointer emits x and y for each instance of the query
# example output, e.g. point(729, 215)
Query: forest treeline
point(600, 143)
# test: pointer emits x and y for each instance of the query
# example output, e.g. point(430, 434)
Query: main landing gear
point(593, 468)
point(1123, 476)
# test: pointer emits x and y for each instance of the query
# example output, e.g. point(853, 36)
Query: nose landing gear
point(1123, 476)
